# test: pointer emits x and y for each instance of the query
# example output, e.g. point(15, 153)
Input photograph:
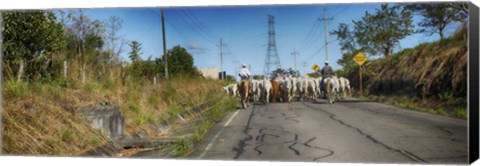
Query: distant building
point(209, 72)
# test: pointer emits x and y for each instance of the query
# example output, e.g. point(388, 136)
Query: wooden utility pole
point(326, 32)
point(295, 53)
point(165, 56)
point(360, 75)
point(221, 55)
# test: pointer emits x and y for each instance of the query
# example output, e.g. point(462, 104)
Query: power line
point(199, 25)
point(320, 49)
point(181, 33)
point(315, 39)
point(204, 36)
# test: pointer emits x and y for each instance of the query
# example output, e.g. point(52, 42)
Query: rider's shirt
point(244, 73)
point(327, 71)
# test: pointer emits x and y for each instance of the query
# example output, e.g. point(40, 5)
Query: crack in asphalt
point(403, 152)
point(293, 149)
point(330, 152)
point(242, 143)
point(277, 133)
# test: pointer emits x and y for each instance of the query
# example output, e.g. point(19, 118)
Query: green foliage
point(445, 96)
point(230, 78)
point(173, 110)
point(13, 89)
point(347, 39)
point(313, 75)
point(277, 72)
point(382, 31)
point(180, 62)
point(293, 73)
point(258, 77)
point(182, 148)
point(31, 37)
point(67, 135)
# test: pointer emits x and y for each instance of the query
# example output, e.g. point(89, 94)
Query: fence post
point(65, 69)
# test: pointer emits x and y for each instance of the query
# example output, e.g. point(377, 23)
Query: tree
point(79, 28)
point(135, 53)
point(346, 37)
point(436, 17)
point(462, 10)
point(277, 72)
point(180, 62)
point(382, 31)
point(293, 73)
point(258, 77)
point(115, 42)
point(230, 79)
point(30, 37)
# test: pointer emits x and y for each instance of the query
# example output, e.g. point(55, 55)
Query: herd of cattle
point(288, 89)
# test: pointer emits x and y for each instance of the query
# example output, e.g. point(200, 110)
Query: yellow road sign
point(315, 67)
point(360, 58)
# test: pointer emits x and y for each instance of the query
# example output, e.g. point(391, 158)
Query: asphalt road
point(350, 131)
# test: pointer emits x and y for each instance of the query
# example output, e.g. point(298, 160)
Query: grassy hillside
point(430, 77)
point(38, 118)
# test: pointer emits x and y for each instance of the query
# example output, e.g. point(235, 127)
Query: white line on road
point(215, 137)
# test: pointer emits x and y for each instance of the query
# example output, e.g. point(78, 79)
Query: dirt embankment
point(431, 75)
point(428, 70)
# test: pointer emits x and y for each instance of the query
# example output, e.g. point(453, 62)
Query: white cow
point(336, 86)
point(311, 88)
point(231, 89)
point(293, 91)
point(265, 94)
point(286, 89)
point(300, 84)
point(318, 88)
point(254, 90)
point(345, 86)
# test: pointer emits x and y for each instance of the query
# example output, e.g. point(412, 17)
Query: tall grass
point(39, 117)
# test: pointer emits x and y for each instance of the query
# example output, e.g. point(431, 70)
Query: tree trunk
point(441, 36)
point(20, 70)
point(388, 50)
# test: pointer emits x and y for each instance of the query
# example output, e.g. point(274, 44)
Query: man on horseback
point(244, 85)
point(327, 72)
point(244, 73)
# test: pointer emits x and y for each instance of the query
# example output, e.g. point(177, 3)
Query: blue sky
point(244, 31)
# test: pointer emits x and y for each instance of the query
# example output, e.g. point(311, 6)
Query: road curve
point(348, 131)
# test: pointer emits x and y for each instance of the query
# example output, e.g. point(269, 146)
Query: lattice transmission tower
point(272, 61)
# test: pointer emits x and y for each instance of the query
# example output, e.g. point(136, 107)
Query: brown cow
point(275, 90)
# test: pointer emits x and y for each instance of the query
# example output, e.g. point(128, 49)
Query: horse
point(329, 88)
point(244, 89)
